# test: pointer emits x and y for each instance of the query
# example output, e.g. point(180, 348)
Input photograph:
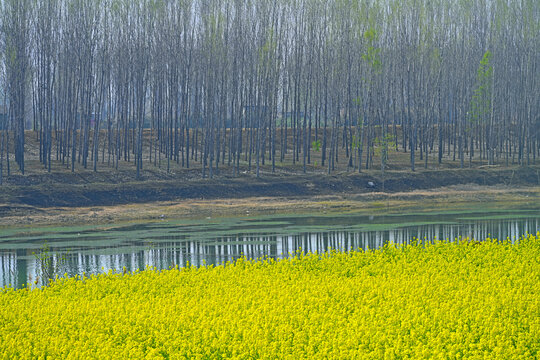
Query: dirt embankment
point(80, 191)
point(102, 197)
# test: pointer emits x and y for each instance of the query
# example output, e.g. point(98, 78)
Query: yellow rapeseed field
point(443, 300)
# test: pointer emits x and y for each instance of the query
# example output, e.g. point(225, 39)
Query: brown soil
point(101, 197)
point(113, 194)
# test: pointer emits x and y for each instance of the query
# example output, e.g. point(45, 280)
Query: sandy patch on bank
point(462, 197)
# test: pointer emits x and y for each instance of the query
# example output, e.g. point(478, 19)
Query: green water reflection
point(97, 248)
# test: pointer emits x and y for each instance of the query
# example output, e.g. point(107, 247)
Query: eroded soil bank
point(91, 201)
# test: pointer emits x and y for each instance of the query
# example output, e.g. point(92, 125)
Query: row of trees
point(243, 82)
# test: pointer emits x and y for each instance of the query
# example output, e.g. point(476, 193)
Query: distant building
point(291, 114)
point(3, 115)
point(252, 112)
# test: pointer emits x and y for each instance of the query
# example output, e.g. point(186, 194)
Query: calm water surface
point(26, 254)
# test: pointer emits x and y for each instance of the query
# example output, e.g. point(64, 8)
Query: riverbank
point(462, 197)
point(115, 193)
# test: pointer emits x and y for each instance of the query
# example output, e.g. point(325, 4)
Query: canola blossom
point(447, 300)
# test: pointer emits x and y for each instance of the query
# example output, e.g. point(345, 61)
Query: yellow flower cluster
point(447, 300)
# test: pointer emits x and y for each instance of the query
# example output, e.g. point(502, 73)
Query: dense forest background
point(212, 83)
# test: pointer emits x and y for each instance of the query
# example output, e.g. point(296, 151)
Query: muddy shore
point(84, 200)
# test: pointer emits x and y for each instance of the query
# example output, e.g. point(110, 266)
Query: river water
point(27, 255)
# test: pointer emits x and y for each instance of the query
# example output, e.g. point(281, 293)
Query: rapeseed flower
point(443, 299)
